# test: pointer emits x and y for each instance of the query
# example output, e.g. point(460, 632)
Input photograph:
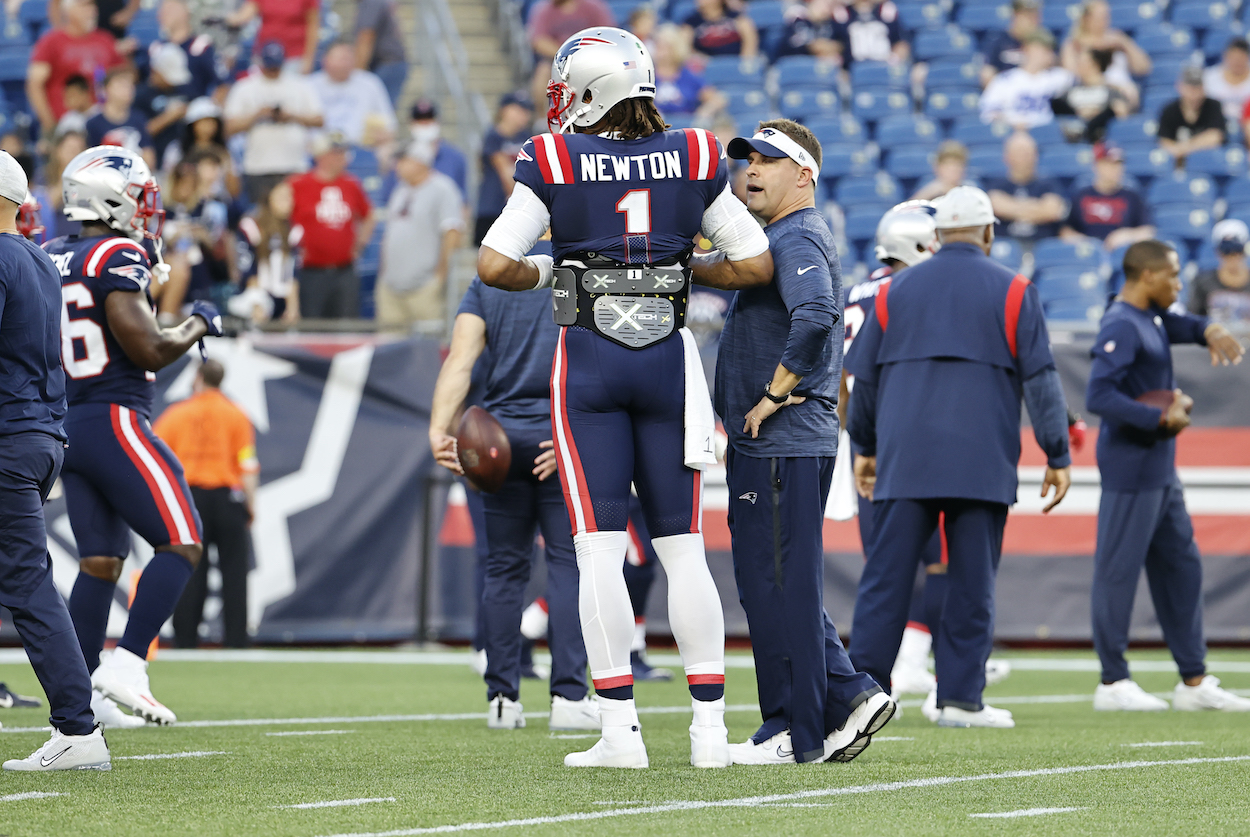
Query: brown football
point(483, 448)
point(1161, 398)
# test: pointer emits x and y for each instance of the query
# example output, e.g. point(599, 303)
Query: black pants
point(329, 293)
point(225, 524)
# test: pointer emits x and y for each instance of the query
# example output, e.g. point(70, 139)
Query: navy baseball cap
point(773, 143)
point(517, 99)
point(272, 55)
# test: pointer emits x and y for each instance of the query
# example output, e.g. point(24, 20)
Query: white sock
point(914, 649)
point(694, 610)
point(603, 601)
point(640, 635)
point(534, 620)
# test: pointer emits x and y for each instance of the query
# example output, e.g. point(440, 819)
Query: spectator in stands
point(197, 240)
point(69, 140)
point(163, 100)
point(551, 23)
point(1091, 102)
point(642, 22)
point(1194, 120)
point(217, 175)
point(268, 253)
point(78, 48)
point(175, 23)
point(499, 151)
point(425, 128)
point(117, 123)
point(717, 28)
point(1228, 82)
point(379, 45)
point(1021, 97)
point(295, 24)
point(679, 89)
point(809, 31)
point(113, 15)
point(1092, 30)
point(332, 208)
point(1003, 50)
point(1223, 293)
point(869, 30)
point(424, 221)
point(1028, 207)
point(1107, 210)
point(355, 102)
point(77, 96)
point(950, 169)
point(205, 134)
point(275, 111)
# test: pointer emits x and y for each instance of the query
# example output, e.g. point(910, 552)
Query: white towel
point(843, 501)
point(700, 421)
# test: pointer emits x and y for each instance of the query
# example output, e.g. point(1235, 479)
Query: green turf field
point(422, 773)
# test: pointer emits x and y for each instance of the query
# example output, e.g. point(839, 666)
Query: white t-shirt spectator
point(416, 218)
point(1232, 97)
point(1021, 98)
point(274, 147)
point(348, 105)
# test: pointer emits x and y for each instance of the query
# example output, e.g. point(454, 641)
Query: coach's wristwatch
point(776, 399)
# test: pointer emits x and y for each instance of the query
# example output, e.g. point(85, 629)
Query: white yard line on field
point(18, 797)
point(312, 732)
point(892, 738)
point(1028, 812)
point(195, 754)
point(1165, 744)
point(754, 801)
point(336, 803)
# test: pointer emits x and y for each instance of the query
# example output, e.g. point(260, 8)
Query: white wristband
point(546, 270)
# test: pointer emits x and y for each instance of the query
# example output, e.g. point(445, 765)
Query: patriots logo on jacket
point(136, 273)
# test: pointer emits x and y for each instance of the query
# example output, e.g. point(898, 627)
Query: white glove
point(160, 272)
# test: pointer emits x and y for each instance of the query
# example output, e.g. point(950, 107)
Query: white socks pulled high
point(603, 601)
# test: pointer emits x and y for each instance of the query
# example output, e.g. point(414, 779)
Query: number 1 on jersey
point(636, 205)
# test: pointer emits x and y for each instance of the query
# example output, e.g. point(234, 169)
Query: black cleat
point(644, 671)
point(9, 700)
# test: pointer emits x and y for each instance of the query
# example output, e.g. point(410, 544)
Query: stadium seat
point(745, 100)
point(1154, 100)
point(1215, 40)
point(947, 106)
point(984, 18)
point(880, 187)
point(1237, 193)
point(1008, 252)
point(873, 105)
point(1165, 70)
point(1202, 15)
point(728, 72)
point(1059, 17)
point(920, 16)
point(747, 121)
point(13, 33)
point(954, 74)
point(1206, 257)
point(971, 131)
point(1065, 161)
point(33, 15)
point(910, 163)
point(1148, 164)
point(1187, 190)
point(1048, 135)
point(837, 129)
point(946, 42)
point(1191, 224)
point(806, 103)
point(363, 162)
point(1132, 16)
point(1133, 129)
point(1055, 252)
point(986, 161)
point(805, 71)
point(1166, 41)
point(144, 27)
point(878, 74)
point(861, 224)
point(680, 10)
point(1070, 282)
point(766, 14)
point(1089, 309)
point(1220, 163)
point(908, 129)
point(677, 121)
point(13, 63)
point(842, 160)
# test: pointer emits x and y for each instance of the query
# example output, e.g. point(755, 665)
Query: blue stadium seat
point(747, 121)
point(1165, 70)
point(680, 10)
point(1155, 99)
point(33, 14)
point(745, 101)
point(766, 14)
point(943, 105)
point(1070, 282)
point(1048, 135)
point(1201, 15)
point(1133, 129)
point(872, 105)
point(1088, 309)
point(984, 18)
point(1191, 224)
point(1055, 252)
point(910, 163)
point(1219, 163)
point(919, 16)
point(678, 121)
point(835, 130)
point(909, 129)
point(843, 160)
point(13, 63)
point(880, 187)
point(1184, 189)
point(1148, 164)
point(947, 42)
point(1206, 257)
point(1166, 41)
point(954, 74)
point(1007, 251)
point(805, 71)
point(363, 162)
point(806, 103)
point(1132, 16)
point(986, 161)
point(861, 224)
point(13, 33)
point(1215, 40)
point(1065, 161)
point(971, 131)
point(878, 74)
point(144, 27)
point(1058, 17)
point(729, 71)
point(1237, 192)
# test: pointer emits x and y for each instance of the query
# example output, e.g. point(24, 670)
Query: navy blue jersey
point(948, 347)
point(521, 340)
point(97, 368)
point(32, 385)
point(1098, 215)
point(861, 300)
point(132, 133)
point(867, 35)
point(1133, 354)
point(1036, 188)
point(636, 201)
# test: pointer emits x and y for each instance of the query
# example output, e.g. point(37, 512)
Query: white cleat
point(534, 621)
point(996, 671)
point(67, 752)
point(709, 739)
point(477, 662)
point(911, 675)
point(109, 715)
point(1207, 695)
point(929, 708)
point(621, 744)
point(123, 677)
point(988, 717)
point(1126, 696)
point(865, 721)
point(505, 714)
point(777, 750)
point(574, 714)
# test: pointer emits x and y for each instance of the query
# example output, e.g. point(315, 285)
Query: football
point(483, 449)
point(1161, 398)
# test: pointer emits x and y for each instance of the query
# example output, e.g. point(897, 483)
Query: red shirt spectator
point(329, 204)
point(552, 22)
point(292, 23)
point(78, 49)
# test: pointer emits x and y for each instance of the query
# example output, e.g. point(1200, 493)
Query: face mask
point(426, 133)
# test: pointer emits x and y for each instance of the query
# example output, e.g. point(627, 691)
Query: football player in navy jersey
point(118, 475)
point(624, 198)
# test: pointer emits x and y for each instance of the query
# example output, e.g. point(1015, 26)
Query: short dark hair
point(211, 372)
point(1238, 43)
point(78, 81)
point(1146, 255)
point(119, 70)
point(800, 134)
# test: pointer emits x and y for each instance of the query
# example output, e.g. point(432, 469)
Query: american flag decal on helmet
point(630, 65)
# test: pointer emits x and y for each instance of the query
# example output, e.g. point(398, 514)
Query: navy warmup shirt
point(948, 347)
point(32, 383)
point(521, 338)
point(788, 321)
point(1132, 354)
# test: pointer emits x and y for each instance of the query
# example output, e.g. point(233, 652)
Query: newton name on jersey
point(657, 165)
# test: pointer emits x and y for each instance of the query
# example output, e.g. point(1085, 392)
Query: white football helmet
point(593, 71)
point(907, 233)
point(113, 185)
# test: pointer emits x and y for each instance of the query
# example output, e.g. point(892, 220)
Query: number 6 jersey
point(97, 370)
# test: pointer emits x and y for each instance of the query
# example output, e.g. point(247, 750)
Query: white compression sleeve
point(603, 600)
point(732, 229)
point(694, 610)
point(520, 225)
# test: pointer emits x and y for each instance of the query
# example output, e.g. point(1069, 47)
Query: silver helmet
point(907, 233)
point(593, 71)
point(113, 185)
